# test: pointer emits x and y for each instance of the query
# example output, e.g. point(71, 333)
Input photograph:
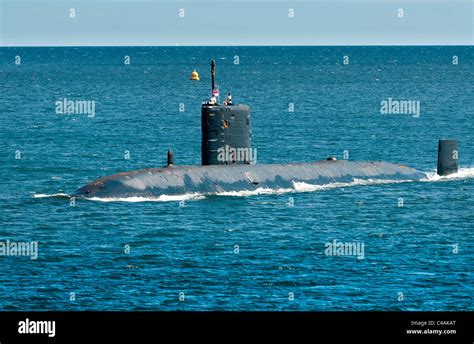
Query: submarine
point(228, 164)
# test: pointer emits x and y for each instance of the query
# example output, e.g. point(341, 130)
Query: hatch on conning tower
point(226, 129)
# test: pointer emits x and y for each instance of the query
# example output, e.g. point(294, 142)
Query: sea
point(257, 251)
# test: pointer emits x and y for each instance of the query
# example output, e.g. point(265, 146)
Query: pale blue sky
point(237, 22)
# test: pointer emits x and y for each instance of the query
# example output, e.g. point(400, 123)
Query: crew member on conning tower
point(228, 100)
point(212, 100)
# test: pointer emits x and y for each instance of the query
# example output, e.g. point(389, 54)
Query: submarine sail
point(226, 131)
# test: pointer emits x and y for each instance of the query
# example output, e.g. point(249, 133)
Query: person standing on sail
point(212, 100)
point(228, 100)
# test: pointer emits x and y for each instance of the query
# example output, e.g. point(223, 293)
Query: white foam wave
point(56, 195)
point(463, 173)
point(162, 198)
point(305, 187)
point(259, 191)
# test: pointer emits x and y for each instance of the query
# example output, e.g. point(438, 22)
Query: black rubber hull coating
point(216, 179)
point(447, 157)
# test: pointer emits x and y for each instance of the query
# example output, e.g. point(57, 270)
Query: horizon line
point(238, 45)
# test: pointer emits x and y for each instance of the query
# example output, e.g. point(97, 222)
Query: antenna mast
point(213, 74)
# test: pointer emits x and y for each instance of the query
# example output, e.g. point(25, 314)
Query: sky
point(235, 22)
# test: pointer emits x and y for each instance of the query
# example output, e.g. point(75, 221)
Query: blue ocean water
point(235, 253)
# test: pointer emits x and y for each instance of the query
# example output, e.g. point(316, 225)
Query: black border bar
point(244, 326)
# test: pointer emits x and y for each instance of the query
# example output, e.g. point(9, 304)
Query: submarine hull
point(216, 179)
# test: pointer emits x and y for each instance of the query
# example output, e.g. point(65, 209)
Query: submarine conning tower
point(448, 161)
point(226, 130)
